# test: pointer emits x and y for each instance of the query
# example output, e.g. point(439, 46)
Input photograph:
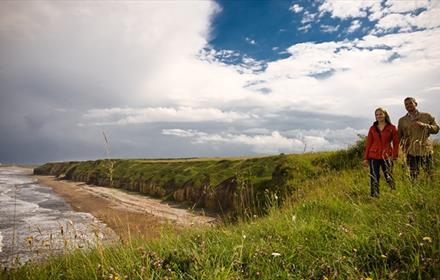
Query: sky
point(165, 79)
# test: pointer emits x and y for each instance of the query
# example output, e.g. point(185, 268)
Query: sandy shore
point(128, 214)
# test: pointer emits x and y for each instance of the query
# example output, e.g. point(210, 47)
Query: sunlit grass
point(327, 228)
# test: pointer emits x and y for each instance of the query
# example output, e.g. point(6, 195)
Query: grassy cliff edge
point(327, 227)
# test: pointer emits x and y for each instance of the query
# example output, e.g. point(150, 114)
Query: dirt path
point(128, 214)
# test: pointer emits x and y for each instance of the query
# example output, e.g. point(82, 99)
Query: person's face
point(380, 116)
point(410, 106)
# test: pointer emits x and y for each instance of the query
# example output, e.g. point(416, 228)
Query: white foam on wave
point(30, 209)
point(9, 205)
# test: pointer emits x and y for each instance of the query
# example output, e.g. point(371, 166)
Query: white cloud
point(339, 138)
point(308, 17)
point(355, 25)
point(305, 28)
point(118, 47)
point(350, 9)
point(296, 8)
point(429, 18)
point(275, 142)
point(399, 6)
point(123, 116)
point(260, 144)
point(392, 21)
point(368, 71)
point(393, 14)
point(329, 28)
point(257, 130)
point(250, 41)
point(435, 88)
point(183, 133)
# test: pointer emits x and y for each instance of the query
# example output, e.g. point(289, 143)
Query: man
point(413, 130)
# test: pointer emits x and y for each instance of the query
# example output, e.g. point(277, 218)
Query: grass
point(326, 227)
point(223, 185)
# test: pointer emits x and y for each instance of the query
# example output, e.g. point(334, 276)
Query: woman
point(381, 148)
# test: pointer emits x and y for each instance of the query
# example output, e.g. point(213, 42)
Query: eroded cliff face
point(223, 186)
point(222, 197)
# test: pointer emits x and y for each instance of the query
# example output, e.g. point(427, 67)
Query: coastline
point(36, 222)
point(130, 215)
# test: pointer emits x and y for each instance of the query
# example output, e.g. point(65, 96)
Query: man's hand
point(419, 124)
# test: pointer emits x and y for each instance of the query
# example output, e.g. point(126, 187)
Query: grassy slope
point(215, 184)
point(328, 227)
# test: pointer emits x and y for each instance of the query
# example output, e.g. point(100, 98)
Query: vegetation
point(324, 226)
point(222, 185)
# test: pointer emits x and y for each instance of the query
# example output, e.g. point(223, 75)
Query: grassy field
point(320, 223)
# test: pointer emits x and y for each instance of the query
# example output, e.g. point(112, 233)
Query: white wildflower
point(293, 218)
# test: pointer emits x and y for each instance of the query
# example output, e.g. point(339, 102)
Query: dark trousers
point(375, 166)
point(415, 162)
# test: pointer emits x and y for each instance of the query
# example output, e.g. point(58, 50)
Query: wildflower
point(293, 218)
point(275, 254)
point(427, 238)
point(383, 256)
point(324, 278)
point(29, 239)
point(368, 278)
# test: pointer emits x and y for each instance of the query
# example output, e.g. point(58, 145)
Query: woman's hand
point(365, 162)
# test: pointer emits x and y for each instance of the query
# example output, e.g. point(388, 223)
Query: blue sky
point(208, 78)
point(264, 29)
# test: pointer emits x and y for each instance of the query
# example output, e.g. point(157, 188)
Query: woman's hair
point(387, 116)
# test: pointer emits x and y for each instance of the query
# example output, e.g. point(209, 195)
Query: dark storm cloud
point(61, 59)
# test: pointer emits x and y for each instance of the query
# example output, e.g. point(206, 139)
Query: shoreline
point(125, 223)
point(128, 214)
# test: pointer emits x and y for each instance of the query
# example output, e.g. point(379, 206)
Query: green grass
point(225, 185)
point(327, 226)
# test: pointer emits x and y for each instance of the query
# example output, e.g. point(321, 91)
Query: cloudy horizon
point(208, 78)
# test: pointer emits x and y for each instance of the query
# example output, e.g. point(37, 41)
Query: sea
point(36, 223)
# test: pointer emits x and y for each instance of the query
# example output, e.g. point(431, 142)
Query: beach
point(128, 214)
point(42, 215)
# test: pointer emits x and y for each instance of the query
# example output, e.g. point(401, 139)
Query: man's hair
point(412, 99)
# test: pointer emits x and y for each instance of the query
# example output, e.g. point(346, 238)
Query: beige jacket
point(414, 140)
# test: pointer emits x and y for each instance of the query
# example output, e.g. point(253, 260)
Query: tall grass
point(327, 228)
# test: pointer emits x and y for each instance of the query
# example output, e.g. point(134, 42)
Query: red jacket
point(378, 145)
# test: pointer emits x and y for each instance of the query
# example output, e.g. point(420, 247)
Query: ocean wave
point(33, 216)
